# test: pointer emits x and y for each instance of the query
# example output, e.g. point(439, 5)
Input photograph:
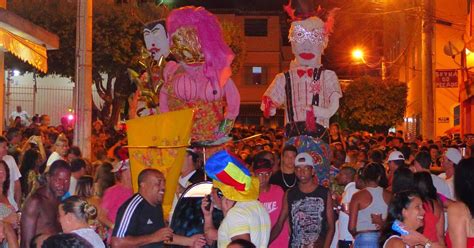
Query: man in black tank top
point(309, 208)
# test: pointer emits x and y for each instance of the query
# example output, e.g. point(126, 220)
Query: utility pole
point(427, 91)
point(3, 4)
point(83, 82)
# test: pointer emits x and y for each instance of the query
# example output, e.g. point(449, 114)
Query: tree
point(372, 104)
point(117, 41)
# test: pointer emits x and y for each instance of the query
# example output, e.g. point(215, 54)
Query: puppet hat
point(231, 176)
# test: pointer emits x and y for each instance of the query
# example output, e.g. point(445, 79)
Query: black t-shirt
point(285, 181)
point(307, 216)
point(137, 217)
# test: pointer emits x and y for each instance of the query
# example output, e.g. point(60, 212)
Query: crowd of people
point(384, 191)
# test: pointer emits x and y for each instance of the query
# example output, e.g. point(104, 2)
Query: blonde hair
point(79, 207)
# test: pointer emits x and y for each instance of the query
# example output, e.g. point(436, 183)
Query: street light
point(358, 54)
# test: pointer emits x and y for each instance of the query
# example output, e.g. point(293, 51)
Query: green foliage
point(117, 42)
point(57, 17)
point(372, 104)
point(117, 33)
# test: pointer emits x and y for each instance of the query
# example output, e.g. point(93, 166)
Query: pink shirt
point(273, 203)
point(113, 198)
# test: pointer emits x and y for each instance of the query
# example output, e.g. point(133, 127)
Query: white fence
point(51, 100)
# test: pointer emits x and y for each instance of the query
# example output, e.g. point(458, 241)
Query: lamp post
point(358, 55)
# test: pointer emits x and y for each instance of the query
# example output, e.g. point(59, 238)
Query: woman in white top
point(73, 215)
point(406, 207)
point(368, 208)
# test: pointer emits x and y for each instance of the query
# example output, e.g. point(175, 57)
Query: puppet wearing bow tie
point(309, 92)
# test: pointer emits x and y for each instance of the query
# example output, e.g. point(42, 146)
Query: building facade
point(403, 48)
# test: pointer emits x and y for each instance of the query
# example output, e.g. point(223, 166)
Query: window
point(457, 115)
point(256, 27)
point(255, 75)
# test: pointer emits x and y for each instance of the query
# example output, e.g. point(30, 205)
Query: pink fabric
point(217, 53)
point(273, 203)
point(113, 198)
point(192, 84)
point(430, 220)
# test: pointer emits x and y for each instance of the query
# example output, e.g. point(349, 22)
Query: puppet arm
point(274, 96)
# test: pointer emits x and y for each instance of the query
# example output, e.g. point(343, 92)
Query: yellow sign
point(160, 141)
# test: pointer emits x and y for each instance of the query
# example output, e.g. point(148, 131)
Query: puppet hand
point(269, 108)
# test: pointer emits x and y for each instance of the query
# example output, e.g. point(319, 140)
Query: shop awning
point(26, 40)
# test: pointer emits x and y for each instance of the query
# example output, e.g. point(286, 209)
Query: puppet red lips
point(307, 55)
point(154, 50)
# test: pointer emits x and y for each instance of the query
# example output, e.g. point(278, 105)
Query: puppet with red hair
point(200, 79)
point(309, 92)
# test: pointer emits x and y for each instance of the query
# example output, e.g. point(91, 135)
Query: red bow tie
point(301, 72)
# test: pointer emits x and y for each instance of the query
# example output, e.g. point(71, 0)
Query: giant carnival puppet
point(308, 92)
point(200, 77)
point(145, 101)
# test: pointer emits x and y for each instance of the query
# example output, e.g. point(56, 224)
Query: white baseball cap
point(395, 155)
point(304, 159)
point(454, 155)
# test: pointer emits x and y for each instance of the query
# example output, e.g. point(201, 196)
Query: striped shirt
point(246, 217)
point(137, 217)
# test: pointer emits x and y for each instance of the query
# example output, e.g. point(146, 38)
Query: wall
point(405, 40)
point(450, 28)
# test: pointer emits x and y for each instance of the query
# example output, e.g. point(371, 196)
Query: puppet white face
point(156, 41)
point(308, 40)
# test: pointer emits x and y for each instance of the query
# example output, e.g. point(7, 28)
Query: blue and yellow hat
point(231, 176)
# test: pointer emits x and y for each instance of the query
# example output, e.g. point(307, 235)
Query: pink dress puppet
point(200, 79)
point(309, 92)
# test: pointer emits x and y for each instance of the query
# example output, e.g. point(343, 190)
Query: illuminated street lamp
point(358, 55)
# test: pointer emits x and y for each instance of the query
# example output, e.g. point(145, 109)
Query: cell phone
point(209, 202)
point(398, 227)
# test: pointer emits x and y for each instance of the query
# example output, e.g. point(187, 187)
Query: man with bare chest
point(40, 211)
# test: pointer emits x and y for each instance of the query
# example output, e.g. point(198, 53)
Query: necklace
point(284, 181)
